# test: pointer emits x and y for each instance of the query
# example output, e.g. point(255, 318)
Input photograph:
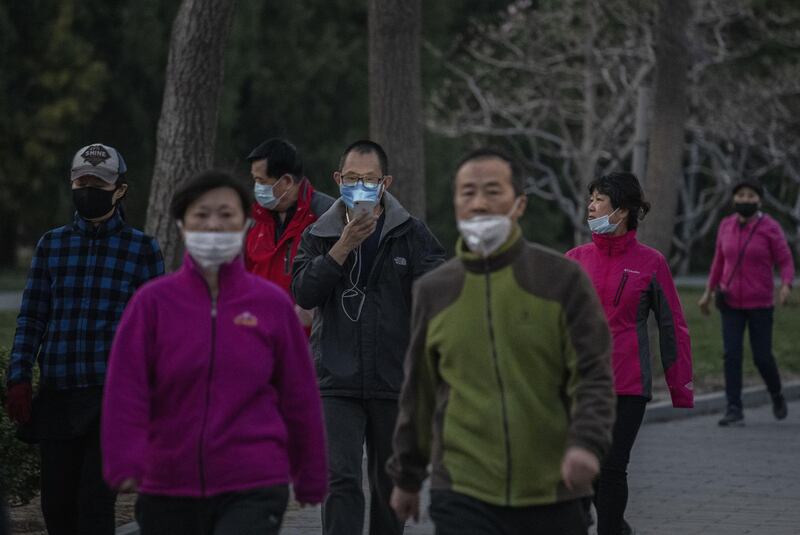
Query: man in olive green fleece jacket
point(508, 390)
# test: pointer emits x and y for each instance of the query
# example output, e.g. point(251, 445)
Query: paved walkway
point(691, 477)
point(10, 301)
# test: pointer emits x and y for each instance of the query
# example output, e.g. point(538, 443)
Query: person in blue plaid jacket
point(80, 280)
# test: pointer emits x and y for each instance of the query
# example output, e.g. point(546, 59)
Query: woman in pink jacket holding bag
point(749, 246)
point(211, 407)
point(632, 280)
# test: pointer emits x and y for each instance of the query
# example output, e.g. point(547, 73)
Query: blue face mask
point(266, 197)
point(602, 225)
point(358, 192)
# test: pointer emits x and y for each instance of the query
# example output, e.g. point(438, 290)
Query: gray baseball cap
point(98, 160)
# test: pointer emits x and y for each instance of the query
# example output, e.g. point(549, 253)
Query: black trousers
point(611, 487)
point(4, 530)
point(75, 499)
point(759, 321)
point(457, 514)
point(350, 423)
point(251, 512)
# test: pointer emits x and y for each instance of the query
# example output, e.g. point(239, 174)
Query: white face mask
point(603, 224)
point(484, 234)
point(212, 249)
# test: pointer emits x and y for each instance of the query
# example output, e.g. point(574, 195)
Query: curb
point(753, 396)
point(131, 528)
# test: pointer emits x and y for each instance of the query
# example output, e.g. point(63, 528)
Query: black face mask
point(745, 209)
point(92, 203)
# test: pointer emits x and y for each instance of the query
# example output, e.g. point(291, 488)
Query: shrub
point(19, 462)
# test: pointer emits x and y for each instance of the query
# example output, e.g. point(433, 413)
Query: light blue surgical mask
point(359, 192)
point(265, 195)
point(602, 225)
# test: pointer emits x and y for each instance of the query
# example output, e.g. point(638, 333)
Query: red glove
point(18, 402)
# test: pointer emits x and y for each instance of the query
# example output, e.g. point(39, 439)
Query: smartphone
point(363, 207)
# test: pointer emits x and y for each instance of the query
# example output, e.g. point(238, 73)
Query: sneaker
point(733, 418)
point(779, 408)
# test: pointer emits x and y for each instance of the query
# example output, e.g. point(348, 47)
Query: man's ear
point(337, 177)
point(120, 192)
point(522, 204)
point(387, 181)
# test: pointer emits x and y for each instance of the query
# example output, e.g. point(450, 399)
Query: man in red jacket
point(286, 204)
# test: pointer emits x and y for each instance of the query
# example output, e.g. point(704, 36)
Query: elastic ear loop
point(354, 291)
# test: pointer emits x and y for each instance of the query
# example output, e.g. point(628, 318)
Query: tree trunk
point(640, 132)
point(395, 95)
point(670, 109)
point(186, 134)
point(8, 238)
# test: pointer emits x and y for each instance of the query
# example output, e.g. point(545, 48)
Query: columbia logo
point(400, 261)
point(246, 319)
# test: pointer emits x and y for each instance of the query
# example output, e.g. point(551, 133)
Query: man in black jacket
point(356, 264)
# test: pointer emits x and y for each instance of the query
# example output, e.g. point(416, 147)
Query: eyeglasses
point(369, 181)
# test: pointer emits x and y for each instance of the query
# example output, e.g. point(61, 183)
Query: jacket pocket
point(620, 288)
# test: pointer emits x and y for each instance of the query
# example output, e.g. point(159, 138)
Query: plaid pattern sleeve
point(80, 280)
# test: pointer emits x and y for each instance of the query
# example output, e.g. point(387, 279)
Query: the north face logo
point(95, 155)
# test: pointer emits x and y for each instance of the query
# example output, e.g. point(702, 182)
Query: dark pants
point(611, 487)
point(75, 499)
point(251, 512)
point(759, 321)
point(458, 514)
point(350, 422)
point(3, 513)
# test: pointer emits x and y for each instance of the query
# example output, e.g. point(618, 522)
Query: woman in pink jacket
point(749, 245)
point(631, 280)
point(211, 406)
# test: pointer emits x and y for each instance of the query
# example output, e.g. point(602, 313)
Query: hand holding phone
point(363, 207)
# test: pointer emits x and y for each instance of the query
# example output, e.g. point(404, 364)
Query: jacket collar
point(501, 258)
point(331, 223)
point(305, 191)
point(231, 274)
point(110, 226)
point(614, 245)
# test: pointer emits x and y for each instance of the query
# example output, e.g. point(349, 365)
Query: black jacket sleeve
point(428, 252)
point(314, 273)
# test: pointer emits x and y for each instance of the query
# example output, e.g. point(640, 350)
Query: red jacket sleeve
point(301, 408)
point(718, 264)
point(676, 351)
point(781, 254)
point(126, 396)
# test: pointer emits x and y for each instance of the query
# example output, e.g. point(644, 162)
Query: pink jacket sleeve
point(781, 254)
point(301, 408)
point(675, 345)
point(126, 397)
point(718, 264)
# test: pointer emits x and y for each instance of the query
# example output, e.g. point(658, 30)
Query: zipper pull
point(213, 307)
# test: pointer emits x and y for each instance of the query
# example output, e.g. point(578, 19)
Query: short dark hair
point(486, 153)
point(366, 146)
point(202, 183)
point(282, 158)
point(624, 191)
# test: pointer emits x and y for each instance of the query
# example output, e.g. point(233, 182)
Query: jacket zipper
point(499, 383)
point(287, 261)
point(375, 262)
point(622, 282)
point(212, 358)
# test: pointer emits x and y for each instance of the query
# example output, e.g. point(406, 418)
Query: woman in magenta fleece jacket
point(211, 406)
point(749, 245)
point(631, 280)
